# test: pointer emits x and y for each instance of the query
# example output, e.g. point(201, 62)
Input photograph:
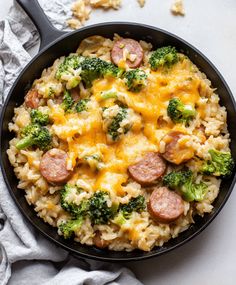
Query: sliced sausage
point(149, 169)
point(32, 99)
point(58, 100)
point(165, 206)
point(75, 93)
point(98, 241)
point(174, 152)
point(129, 50)
point(53, 166)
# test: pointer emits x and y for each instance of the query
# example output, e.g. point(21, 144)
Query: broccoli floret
point(115, 124)
point(74, 68)
point(221, 164)
point(94, 161)
point(71, 207)
point(135, 79)
point(91, 70)
point(163, 57)
point(68, 228)
point(69, 71)
point(99, 211)
point(114, 129)
point(65, 192)
point(110, 70)
point(94, 68)
point(82, 105)
point(95, 208)
point(70, 62)
point(38, 117)
point(36, 135)
point(69, 106)
point(198, 192)
point(183, 181)
point(176, 179)
point(136, 204)
point(68, 102)
point(180, 113)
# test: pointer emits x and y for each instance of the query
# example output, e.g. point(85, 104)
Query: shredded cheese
point(85, 135)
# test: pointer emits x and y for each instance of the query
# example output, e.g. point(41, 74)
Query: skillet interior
point(68, 44)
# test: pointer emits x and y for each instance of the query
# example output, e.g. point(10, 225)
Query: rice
point(105, 4)
point(140, 231)
point(141, 3)
point(81, 10)
point(177, 8)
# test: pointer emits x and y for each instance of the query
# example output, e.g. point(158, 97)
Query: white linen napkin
point(26, 257)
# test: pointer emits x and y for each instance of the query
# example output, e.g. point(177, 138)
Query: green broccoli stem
point(108, 95)
point(187, 193)
point(25, 142)
point(119, 219)
point(75, 224)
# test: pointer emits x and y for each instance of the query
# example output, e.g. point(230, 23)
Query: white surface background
point(210, 25)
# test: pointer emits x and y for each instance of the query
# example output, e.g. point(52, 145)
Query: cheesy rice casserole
point(120, 146)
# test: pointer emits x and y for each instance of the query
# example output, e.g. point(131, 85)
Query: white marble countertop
point(210, 26)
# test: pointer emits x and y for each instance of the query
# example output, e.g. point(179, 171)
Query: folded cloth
point(26, 257)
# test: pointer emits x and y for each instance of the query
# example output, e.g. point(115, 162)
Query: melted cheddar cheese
point(84, 134)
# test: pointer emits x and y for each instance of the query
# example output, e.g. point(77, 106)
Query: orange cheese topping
point(85, 135)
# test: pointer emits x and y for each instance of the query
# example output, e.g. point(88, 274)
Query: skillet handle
point(46, 30)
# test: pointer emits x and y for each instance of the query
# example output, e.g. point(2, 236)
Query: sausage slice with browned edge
point(129, 50)
point(32, 99)
point(165, 206)
point(176, 152)
point(149, 169)
point(53, 166)
point(75, 93)
point(98, 241)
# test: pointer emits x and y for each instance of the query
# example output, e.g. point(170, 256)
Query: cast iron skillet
point(55, 44)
